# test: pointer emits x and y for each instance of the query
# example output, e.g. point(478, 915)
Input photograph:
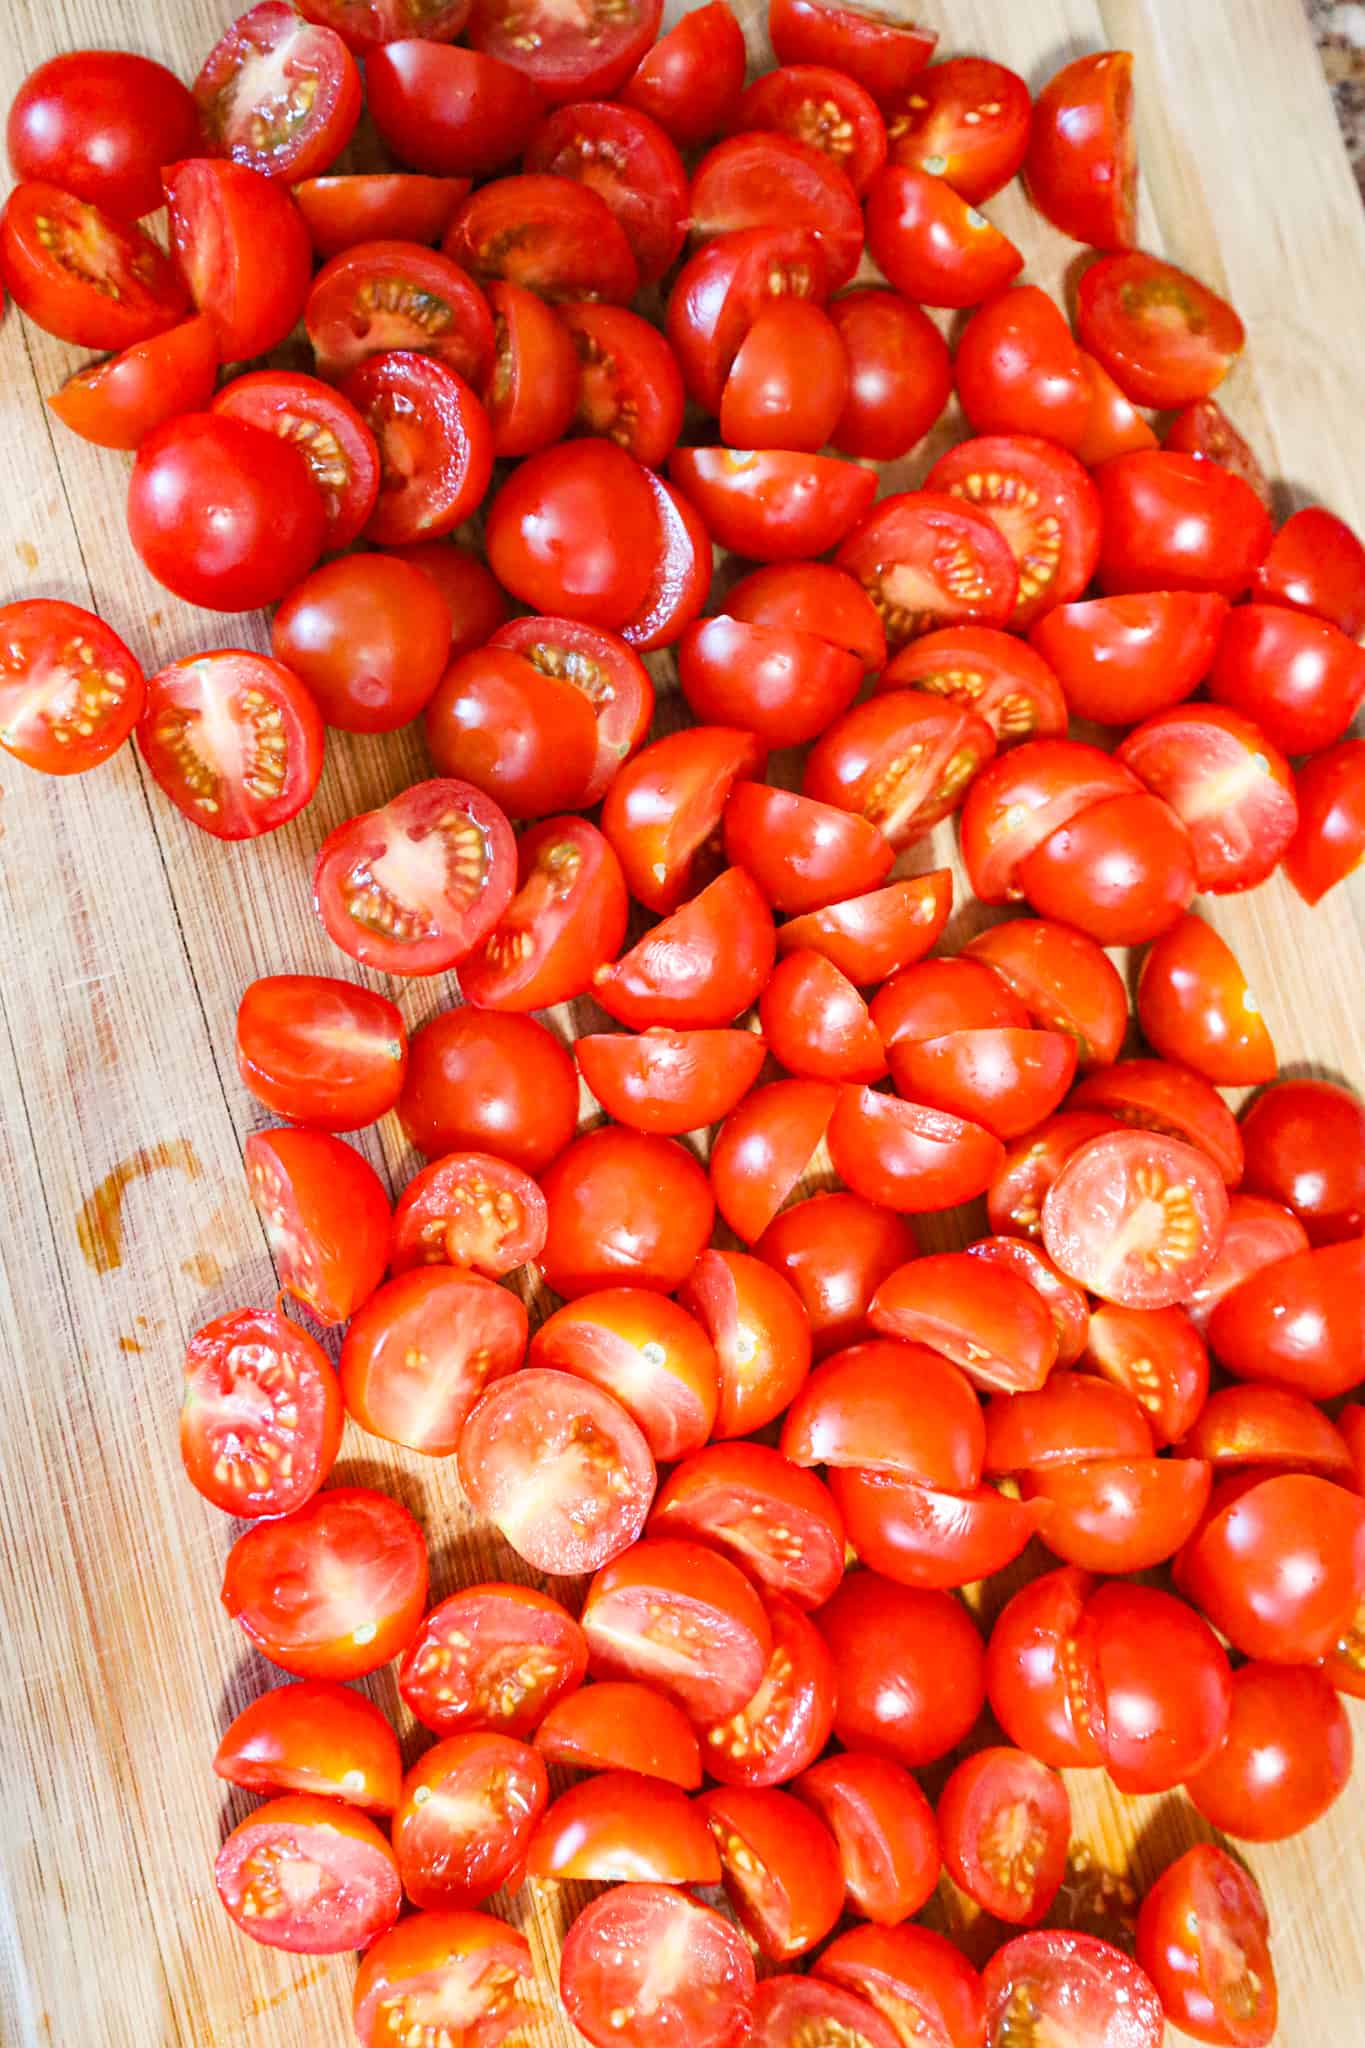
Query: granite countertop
point(1340, 29)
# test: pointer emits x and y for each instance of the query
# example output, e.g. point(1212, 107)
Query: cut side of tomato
point(260, 1422)
point(492, 1656)
point(70, 691)
point(422, 1350)
point(1136, 1217)
point(308, 1875)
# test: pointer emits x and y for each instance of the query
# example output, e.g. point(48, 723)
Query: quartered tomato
point(913, 1978)
point(1195, 1007)
point(486, 1082)
point(1304, 1143)
point(681, 1617)
point(435, 444)
point(1171, 1100)
point(619, 1725)
point(464, 1822)
point(1044, 504)
point(316, 1737)
point(1136, 1218)
point(1164, 338)
point(911, 1668)
point(823, 106)
point(241, 245)
point(100, 124)
point(649, 1353)
point(1287, 1757)
point(1329, 843)
point(698, 968)
point(567, 918)
point(759, 1329)
point(434, 1970)
point(334, 1590)
point(885, 1831)
point(899, 374)
point(1118, 1515)
point(816, 1024)
point(931, 243)
point(1203, 1939)
point(906, 1156)
point(1063, 1980)
point(788, 2009)
point(1120, 659)
point(774, 504)
point(986, 1318)
point(1115, 426)
point(1005, 1820)
point(1171, 522)
point(990, 673)
point(789, 380)
point(1316, 564)
point(691, 79)
point(768, 179)
point(763, 1148)
point(452, 112)
point(928, 560)
point(492, 1656)
point(308, 1875)
point(1298, 1322)
point(412, 888)
point(803, 855)
point(1230, 787)
point(537, 523)
point(224, 514)
point(1156, 1355)
point(70, 691)
point(532, 390)
point(1064, 980)
point(1018, 369)
point(1258, 1233)
point(383, 295)
point(328, 432)
point(619, 1825)
point(786, 1723)
point(1268, 1425)
point(773, 1517)
point(528, 739)
point(725, 286)
point(1081, 166)
point(901, 761)
point(421, 1351)
point(260, 1418)
point(278, 93)
point(326, 1218)
point(922, 1536)
point(369, 636)
point(625, 1208)
point(629, 388)
point(582, 55)
point(663, 810)
point(552, 235)
point(631, 163)
point(1065, 1302)
point(118, 402)
point(668, 1082)
point(377, 206)
point(648, 1964)
point(82, 275)
point(780, 1867)
point(966, 121)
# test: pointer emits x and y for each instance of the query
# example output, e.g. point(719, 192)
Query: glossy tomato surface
point(431, 1962)
point(1286, 1759)
point(82, 275)
point(760, 1331)
point(483, 1081)
point(1304, 1144)
point(278, 93)
point(911, 1668)
point(1203, 1938)
point(787, 1720)
point(117, 403)
point(326, 1217)
point(651, 1354)
point(492, 1656)
point(316, 1737)
point(223, 513)
point(1081, 167)
point(308, 1875)
point(680, 1616)
point(1005, 1822)
point(369, 636)
point(464, 1821)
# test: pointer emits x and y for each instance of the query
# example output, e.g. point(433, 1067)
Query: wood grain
point(125, 940)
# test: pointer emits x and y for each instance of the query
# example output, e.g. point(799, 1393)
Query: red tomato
point(780, 683)
point(1298, 677)
point(1202, 1938)
point(552, 235)
point(377, 206)
point(663, 810)
point(821, 106)
point(760, 1331)
point(1017, 368)
point(435, 444)
point(369, 636)
point(629, 387)
point(680, 1617)
point(224, 514)
point(723, 288)
point(939, 996)
point(532, 391)
point(1195, 1007)
point(932, 244)
point(328, 432)
point(1171, 522)
point(1305, 1147)
point(1005, 1820)
point(1018, 1189)
point(70, 691)
point(1230, 786)
point(771, 504)
point(1299, 1322)
point(1136, 1218)
point(559, 1469)
point(1073, 1418)
point(1316, 564)
point(668, 1082)
point(622, 1727)
point(1204, 429)
point(567, 918)
point(480, 1082)
point(380, 296)
point(885, 1831)
point(1114, 427)
point(921, 1536)
point(788, 2009)
point(1037, 1673)
point(367, 26)
point(673, 1969)
point(835, 1250)
point(118, 402)
point(632, 164)
point(787, 1722)
point(911, 1668)
point(1025, 796)
point(583, 57)
point(604, 669)
point(873, 936)
point(421, 1351)
point(882, 55)
point(434, 1964)
point(780, 1866)
point(452, 112)
point(1171, 1101)
point(698, 968)
point(765, 179)
point(887, 1407)
point(326, 1216)
point(928, 560)
point(476, 604)
point(315, 1737)
point(620, 1825)
point(1119, 659)
point(412, 888)
point(1329, 843)
point(1278, 1563)
point(492, 1656)
point(788, 382)
point(1257, 1234)
point(803, 855)
point(320, 1051)
point(988, 1320)
point(681, 575)
point(907, 1157)
point(624, 1207)
point(1064, 1980)
point(100, 124)
point(241, 245)
point(82, 275)
point(1265, 1426)
point(902, 761)
point(234, 740)
point(1081, 167)
point(525, 737)
point(1063, 979)
point(1007, 1080)
point(816, 1024)
point(537, 522)
point(468, 1809)
point(813, 599)
point(308, 1875)
point(1066, 1304)
point(470, 1209)
point(260, 1418)
point(1118, 1515)
point(775, 1519)
point(965, 121)
point(691, 79)
point(1123, 871)
point(763, 1148)
point(1165, 338)
point(1044, 504)
point(899, 374)
point(987, 672)
point(1286, 1759)
point(639, 1346)
point(1157, 1356)
point(278, 93)
point(1158, 1684)
point(332, 1591)
point(915, 1978)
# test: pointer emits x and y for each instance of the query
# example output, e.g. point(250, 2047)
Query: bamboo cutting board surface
point(126, 938)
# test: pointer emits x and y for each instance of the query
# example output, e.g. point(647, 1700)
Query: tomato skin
point(669, 1082)
point(340, 450)
point(286, 1025)
point(100, 124)
point(901, 761)
point(888, 1407)
point(536, 523)
point(1263, 1426)
point(899, 374)
point(244, 114)
point(1278, 1564)
point(1157, 1356)
point(435, 444)
point(995, 1790)
point(664, 807)
point(1103, 1185)
point(770, 504)
point(245, 1374)
point(468, 1209)
point(492, 1656)
point(1304, 1144)
point(1064, 980)
point(921, 1536)
point(487, 1081)
point(1006, 1080)
point(385, 295)
point(1070, 1419)
point(1316, 564)
point(314, 1737)
point(965, 120)
point(466, 1817)
point(369, 26)
point(987, 1319)
point(647, 1352)
point(1036, 1675)
point(1056, 1974)
point(1204, 429)
point(1021, 798)
point(1159, 1685)
point(1287, 1756)
point(102, 686)
point(430, 1958)
point(911, 1968)
point(722, 289)
point(1123, 871)
point(1329, 843)
point(882, 55)
point(873, 936)
point(1081, 167)
point(336, 1843)
point(377, 206)
point(430, 1331)
point(565, 61)
point(763, 1148)
point(1202, 1938)
point(712, 1649)
point(1115, 426)
point(619, 1725)
point(476, 604)
point(803, 855)
point(117, 403)
point(628, 386)
point(273, 1569)
point(988, 672)
point(640, 1923)
point(699, 967)
point(223, 514)
point(1195, 1007)
point(1298, 677)
point(780, 1867)
point(907, 1157)
point(369, 636)
point(1065, 1303)
point(451, 112)
point(1257, 1234)
point(931, 244)
point(1232, 788)
point(692, 77)
point(885, 1830)
point(1018, 370)
point(825, 107)
point(619, 1825)
point(787, 1722)
point(817, 1025)
point(911, 1668)
point(634, 166)
point(326, 1214)
point(1298, 1323)
point(761, 178)
point(788, 382)
point(1119, 1515)
point(241, 245)
point(835, 1250)
point(624, 1207)
point(1171, 522)
point(1120, 659)
point(681, 575)
point(527, 739)
point(1164, 338)
point(1170, 1100)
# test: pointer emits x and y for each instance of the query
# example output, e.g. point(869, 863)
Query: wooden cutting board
point(126, 938)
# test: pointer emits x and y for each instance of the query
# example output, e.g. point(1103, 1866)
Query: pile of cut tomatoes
point(776, 1436)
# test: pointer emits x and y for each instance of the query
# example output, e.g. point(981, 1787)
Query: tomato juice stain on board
point(99, 1223)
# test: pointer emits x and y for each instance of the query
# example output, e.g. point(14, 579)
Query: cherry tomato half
point(383, 295)
point(1304, 1144)
point(622, 1726)
point(1203, 1939)
point(421, 1351)
point(668, 1082)
point(340, 450)
point(1164, 338)
point(278, 93)
point(681, 1617)
point(1081, 167)
point(780, 1867)
point(260, 1418)
point(1066, 1980)
point(452, 112)
point(760, 1330)
point(931, 243)
point(966, 121)
point(645, 1963)
point(1136, 1217)
point(899, 374)
point(1044, 504)
point(627, 159)
point(492, 1656)
point(1329, 843)
point(308, 1875)
point(326, 1217)
point(1286, 1759)
point(1005, 1821)
point(884, 1827)
point(566, 920)
point(649, 1353)
point(618, 1825)
point(911, 1668)
point(242, 247)
point(70, 691)
point(1232, 789)
point(1195, 1007)
point(1171, 522)
point(1278, 1563)
point(927, 560)
point(82, 275)
point(624, 1208)
point(481, 1081)
point(118, 402)
point(698, 968)
point(316, 1737)
point(435, 444)
point(1120, 659)
point(691, 79)
point(581, 57)
point(1316, 564)
point(432, 1963)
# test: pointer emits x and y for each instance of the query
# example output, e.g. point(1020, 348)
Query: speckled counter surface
point(1340, 27)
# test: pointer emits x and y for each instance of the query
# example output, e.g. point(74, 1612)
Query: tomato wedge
point(118, 402)
point(619, 1725)
point(326, 1215)
point(328, 432)
point(316, 1737)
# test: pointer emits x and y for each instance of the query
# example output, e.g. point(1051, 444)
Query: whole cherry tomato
point(1299, 1322)
point(369, 636)
point(223, 513)
point(536, 527)
point(1278, 1563)
point(1286, 1759)
point(624, 1208)
point(911, 1668)
point(526, 738)
point(484, 1081)
point(100, 124)
point(1304, 1143)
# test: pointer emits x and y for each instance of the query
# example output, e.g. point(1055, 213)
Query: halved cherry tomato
point(370, 26)
point(1072, 1419)
point(763, 1148)
point(760, 1331)
point(537, 523)
point(631, 163)
point(815, 599)
point(377, 206)
point(559, 1469)
point(927, 560)
point(668, 1082)
point(604, 669)
point(620, 1726)
point(1063, 979)
point(1158, 1685)
point(580, 57)
point(1123, 871)
point(82, 275)
point(625, 1208)
point(326, 1217)
point(412, 888)
point(881, 54)
point(966, 121)
point(1286, 1759)
point(911, 1668)
point(223, 514)
point(1064, 1980)
point(939, 996)
point(681, 1617)
point(465, 1820)
point(1136, 1217)
point(1022, 798)
point(492, 1656)
point(1265, 1426)
point(914, 1978)
point(369, 636)
point(820, 105)
point(1036, 1671)
point(1005, 1821)
point(629, 388)
point(698, 968)
point(437, 1967)
point(435, 444)
point(1171, 1100)
point(922, 1536)
point(1118, 1515)
point(422, 1350)
point(989, 673)
point(639, 1346)
point(902, 761)
point(379, 296)
point(899, 374)
point(567, 918)
point(692, 77)
point(100, 124)
point(552, 235)
point(241, 245)
point(1203, 1939)
point(931, 243)
point(1232, 789)
point(526, 737)
point(1204, 429)
point(453, 112)
point(1044, 504)
point(773, 504)
point(1195, 1007)
point(1114, 427)
point(278, 93)
point(780, 1866)
point(773, 1517)
point(723, 288)
point(681, 575)
point(1030, 1166)
point(1299, 678)
point(1316, 564)
point(885, 1831)
point(906, 1156)
point(621, 1825)
point(1171, 522)
point(1329, 843)
point(70, 691)
point(803, 855)
point(260, 1417)
point(779, 683)
point(767, 179)
point(986, 1318)
point(1304, 1144)
point(334, 1590)
point(1258, 1233)
point(1278, 1563)
point(1120, 659)
point(470, 1209)
point(1065, 1303)
point(787, 1722)
point(476, 604)
point(315, 1737)
point(481, 1082)
point(532, 389)
point(308, 1875)
point(1006, 1079)
point(1299, 1322)
point(789, 380)
point(816, 1024)
point(1017, 368)
point(663, 810)
point(1164, 338)
point(1157, 1356)
point(673, 1969)
point(117, 403)
point(835, 1250)
point(788, 2009)
point(873, 936)
point(1081, 166)
point(340, 450)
